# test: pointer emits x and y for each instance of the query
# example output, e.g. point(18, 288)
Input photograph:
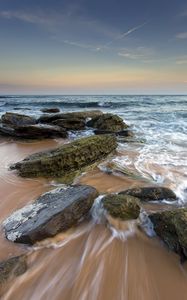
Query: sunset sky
point(93, 47)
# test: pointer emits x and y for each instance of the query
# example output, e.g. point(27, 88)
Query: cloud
point(25, 16)
point(143, 54)
point(126, 33)
point(182, 35)
point(81, 45)
point(182, 60)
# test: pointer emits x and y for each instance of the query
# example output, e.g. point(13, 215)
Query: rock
point(107, 122)
point(151, 193)
point(12, 267)
point(171, 227)
point(83, 115)
point(50, 214)
point(14, 119)
point(123, 133)
point(37, 131)
point(70, 124)
point(122, 206)
point(67, 158)
point(50, 110)
point(40, 131)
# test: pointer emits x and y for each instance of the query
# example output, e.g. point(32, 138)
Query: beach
point(92, 260)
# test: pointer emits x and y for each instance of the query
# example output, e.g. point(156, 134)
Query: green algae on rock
point(151, 193)
point(123, 207)
point(67, 158)
point(171, 227)
point(107, 122)
point(12, 267)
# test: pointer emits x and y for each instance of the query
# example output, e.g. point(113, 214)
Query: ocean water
point(159, 123)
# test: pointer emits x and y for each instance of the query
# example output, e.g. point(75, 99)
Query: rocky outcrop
point(83, 115)
point(67, 158)
point(37, 131)
point(171, 227)
point(12, 267)
point(50, 214)
point(14, 119)
point(107, 122)
point(70, 124)
point(123, 207)
point(50, 110)
point(151, 193)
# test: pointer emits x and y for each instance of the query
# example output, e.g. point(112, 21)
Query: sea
point(159, 121)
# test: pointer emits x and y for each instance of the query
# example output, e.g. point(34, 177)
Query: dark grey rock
point(14, 119)
point(50, 214)
point(50, 110)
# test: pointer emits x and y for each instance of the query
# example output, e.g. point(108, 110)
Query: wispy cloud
point(182, 60)
point(182, 35)
point(81, 45)
point(25, 16)
point(143, 54)
point(126, 33)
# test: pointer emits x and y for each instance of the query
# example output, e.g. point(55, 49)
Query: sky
point(93, 47)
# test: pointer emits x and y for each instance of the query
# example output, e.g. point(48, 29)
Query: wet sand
point(87, 262)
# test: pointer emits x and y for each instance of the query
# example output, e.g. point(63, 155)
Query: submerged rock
point(50, 110)
point(151, 193)
point(70, 124)
point(14, 119)
point(83, 115)
point(123, 207)
point(50, 214)
point(107, 122)
point(12, 267)
point(37, 131)
point(67, 158)
point(171, 227)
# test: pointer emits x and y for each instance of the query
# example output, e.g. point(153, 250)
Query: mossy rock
point(151, 193)
point(70, 124)
point(122, 206)
point(12, 267)
point(171, 227)
point(107, 122)
point(14, 119)
point(83, 115)
point(67, 158)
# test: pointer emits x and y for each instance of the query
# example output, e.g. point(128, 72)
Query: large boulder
point(50, 214)
point(12, 267)
point(151, 193)
point(14, 119)
point(67, 158)
point(171, 227)
point(83, 115)
point(70, 124)
point(123, 207)
point(107, 122)
point(50, 110)
point(36, 131)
